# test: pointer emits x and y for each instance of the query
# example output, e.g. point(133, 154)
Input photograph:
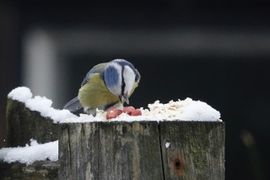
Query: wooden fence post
point(116, 150)
point(24, 124)
point(142, 150)
point(193, 150)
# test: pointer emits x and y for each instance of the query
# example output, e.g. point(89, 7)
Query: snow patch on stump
point(20, 94)
point(180, 110)
point(40, 104)
point(30, 153)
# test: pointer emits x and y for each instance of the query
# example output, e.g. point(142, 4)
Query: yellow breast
point(94, 94)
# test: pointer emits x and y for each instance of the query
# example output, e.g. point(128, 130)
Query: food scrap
point(130, 110)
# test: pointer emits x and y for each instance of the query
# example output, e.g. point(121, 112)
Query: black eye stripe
point(123, 82)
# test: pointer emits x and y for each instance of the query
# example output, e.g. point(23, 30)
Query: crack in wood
point(161, 152)
point(69, 148)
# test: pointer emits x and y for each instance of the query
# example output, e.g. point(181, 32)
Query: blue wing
point(73, 105)
point(99, 68)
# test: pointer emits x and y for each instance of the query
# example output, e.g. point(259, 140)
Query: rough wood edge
point(24, 124)
point(41, 170)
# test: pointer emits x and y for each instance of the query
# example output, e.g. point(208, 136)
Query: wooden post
point(142, 150)
point(145, 150)
point(24, 124)
point(114, 150)
point(193, 150)
point(39, 170)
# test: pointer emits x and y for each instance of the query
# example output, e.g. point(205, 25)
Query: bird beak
point(124, 99)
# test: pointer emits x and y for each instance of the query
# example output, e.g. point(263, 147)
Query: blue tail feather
point(73, 105)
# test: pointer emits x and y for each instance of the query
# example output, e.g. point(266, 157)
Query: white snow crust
point(30, 153)
point(185, 110)
point(21, 94)
point(40, 104)
point(180, 110)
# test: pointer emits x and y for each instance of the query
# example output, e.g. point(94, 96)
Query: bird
point(106, 85)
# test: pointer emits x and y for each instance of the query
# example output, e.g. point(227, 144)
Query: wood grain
point(195, 151)
point(145, 150)
point(110, 151)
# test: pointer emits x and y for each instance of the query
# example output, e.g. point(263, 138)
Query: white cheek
point(129, 78)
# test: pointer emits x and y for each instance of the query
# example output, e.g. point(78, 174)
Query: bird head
point(121, 78)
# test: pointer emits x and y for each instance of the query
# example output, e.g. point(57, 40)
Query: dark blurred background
point(214, 51)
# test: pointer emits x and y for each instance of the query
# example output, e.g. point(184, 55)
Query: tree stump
point(142, 150)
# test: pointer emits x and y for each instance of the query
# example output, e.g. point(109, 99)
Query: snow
point(40, 104)
point(188, 110)
point(44, 106)
point(20, 94)
point(180, 110)
point(30, 153)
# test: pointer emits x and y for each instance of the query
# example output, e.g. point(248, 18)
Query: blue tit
point(106, 85)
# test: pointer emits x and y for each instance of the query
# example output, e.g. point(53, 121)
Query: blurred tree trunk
point(9, 57)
